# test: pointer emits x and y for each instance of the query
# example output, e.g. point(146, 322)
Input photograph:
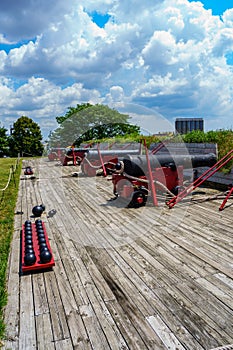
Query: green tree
point(195, 136)
point(4, 147)
point(90, 122)
point(72, 110)
point(223, 139)
point(26, 138)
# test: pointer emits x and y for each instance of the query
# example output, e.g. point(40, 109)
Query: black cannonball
point(43, 207)
point(40, 237)
point(29, 251)
point(40, 231)
point(28, 230)
point(27, 223)
point(29, 259)
point(28, 241)
point(37, 210)
point(39, 223)
point(42, 240)
point(28, 234)
point(29, 246)
point(43, 248)
point(45, 256)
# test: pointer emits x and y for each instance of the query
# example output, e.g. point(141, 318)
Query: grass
point(7, 210)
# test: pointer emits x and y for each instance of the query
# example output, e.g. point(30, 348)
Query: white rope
point(91, 165)
point(217, 196)
point(220, 195)
point(70, 157)
point(122, 167)
point(15, 165)
point(147, 181)
point(11, 172)
point(9, 179)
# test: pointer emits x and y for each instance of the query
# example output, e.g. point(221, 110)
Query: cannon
point(56, 153)
point(137, 165)
point(95, 159)
point(136, 175)
point(28, 171)
point(67, 155)
point(74, 155)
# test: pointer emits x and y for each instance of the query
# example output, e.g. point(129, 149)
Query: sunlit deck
point(147, 278)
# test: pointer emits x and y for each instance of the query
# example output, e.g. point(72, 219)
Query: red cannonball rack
point(37, 265)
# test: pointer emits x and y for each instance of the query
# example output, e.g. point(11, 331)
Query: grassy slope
point(7, 209)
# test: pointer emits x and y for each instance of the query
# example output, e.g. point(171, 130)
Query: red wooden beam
point(151, 180)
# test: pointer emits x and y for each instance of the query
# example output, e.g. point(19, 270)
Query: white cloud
point(167, 55)
point(3, 40)
point(227, 18)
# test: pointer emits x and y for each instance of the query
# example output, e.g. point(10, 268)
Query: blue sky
point(217, 6)
point(155, 61)
point(9, 46)
point(100, 19)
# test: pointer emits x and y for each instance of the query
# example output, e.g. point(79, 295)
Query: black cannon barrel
point(94, 154)
point(136, 165)
point(81, 150)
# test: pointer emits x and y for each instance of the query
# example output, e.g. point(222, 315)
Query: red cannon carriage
point(136, 177)
point(67, 155)
point(28, 171)
point(74, 155)
point(56, 153)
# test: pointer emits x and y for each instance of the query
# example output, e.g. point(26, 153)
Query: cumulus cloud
point(26, 19)
point(169, 55)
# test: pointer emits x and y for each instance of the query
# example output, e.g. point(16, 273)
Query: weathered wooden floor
point(147, 278)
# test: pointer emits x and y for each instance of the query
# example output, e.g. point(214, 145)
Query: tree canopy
point(26, 138)
point(4, 147)
point(87, 122)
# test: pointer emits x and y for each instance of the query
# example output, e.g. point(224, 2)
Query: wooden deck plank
point(150, 278)
point(87, 282)
point(40, 296)
point(136, 301)
point(164, 333)
point(44, 333)
point(27, 329)
point(58, 320)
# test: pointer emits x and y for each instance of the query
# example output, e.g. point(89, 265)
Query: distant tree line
point(87, 122)
point(93, 123)
point(25, 139)
point(223, 139)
